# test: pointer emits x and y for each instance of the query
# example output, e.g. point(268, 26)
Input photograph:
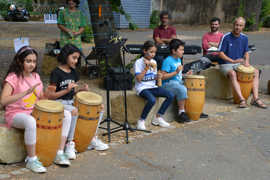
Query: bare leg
point(31, 150)
point(235, 84)
point(181, 104)
point(256, 85)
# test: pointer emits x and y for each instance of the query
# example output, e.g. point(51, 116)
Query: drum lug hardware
point(60, 120)
point(49, 121)
point(88, 112)
point(38, 119)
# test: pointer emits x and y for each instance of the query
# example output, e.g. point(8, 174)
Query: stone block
point(217, 85)
point(12, 147)
point(48, 64)
point(135, 105)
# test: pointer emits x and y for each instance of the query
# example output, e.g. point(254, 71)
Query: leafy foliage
point(154, 19)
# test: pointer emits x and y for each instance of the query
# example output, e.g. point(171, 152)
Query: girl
point(22, 87)
point(145, 85)
point(63, 81)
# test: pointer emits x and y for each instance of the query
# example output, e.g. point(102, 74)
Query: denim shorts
point(177, 88)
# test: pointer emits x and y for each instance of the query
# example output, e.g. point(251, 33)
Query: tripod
point(125, 126)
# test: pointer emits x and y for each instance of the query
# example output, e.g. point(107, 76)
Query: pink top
point(25, 104)
point(210, 37)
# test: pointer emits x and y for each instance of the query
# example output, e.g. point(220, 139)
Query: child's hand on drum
point(246, 64)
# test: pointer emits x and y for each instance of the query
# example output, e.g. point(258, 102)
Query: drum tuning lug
point(49, 121)
point(59, 120)
point(88, 112)
point(38, 119)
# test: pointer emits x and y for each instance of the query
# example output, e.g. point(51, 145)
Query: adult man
point(211, 40)
point(162, 36)
point(164, 33)
point(233, 51)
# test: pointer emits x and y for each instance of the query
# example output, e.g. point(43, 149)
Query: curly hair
point(17, 64)
point(67, 50)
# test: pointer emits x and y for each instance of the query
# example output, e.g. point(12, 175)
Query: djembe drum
point(245, 76)
point(88, 105)
point(196, 95)
point(49, 118)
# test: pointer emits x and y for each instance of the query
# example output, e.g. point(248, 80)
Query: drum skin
point(88, 105)
point(49, 118)
point(196, 96)
point(245, 81)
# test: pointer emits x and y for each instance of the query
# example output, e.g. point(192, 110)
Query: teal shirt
point(169, 65)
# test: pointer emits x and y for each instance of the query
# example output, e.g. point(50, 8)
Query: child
point(145, 85)
point(63, 81)
point(22, 87)
point(172, 76)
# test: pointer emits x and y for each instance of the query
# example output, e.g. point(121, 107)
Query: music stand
point(125, 126)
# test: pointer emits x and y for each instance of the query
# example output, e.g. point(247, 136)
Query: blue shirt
point(169, 65)
point(233, 47)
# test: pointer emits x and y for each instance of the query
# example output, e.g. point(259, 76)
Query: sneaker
point(98, 145)
point(61, 159)
point(141, 125)
point(203, 115)
point(183, 117)
point(36, 166)
point(70, 150)
point(159, 121)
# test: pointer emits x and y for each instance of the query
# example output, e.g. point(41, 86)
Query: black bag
point(118, 80)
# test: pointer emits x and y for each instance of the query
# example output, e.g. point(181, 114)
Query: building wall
point(198, 11)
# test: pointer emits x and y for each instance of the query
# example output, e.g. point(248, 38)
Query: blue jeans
point(150, 94)
point(177, 88)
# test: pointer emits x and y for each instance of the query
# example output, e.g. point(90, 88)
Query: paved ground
point(233, 144)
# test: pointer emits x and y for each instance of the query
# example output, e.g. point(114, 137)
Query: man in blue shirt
point(234, 51)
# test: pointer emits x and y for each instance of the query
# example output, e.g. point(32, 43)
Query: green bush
point(87, 35)
point(265, 13)
point(4, 5)
point(154, 19)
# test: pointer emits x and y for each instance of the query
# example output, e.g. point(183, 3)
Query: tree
point(252, 11)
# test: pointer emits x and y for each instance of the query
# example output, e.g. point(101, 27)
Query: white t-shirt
point(149, 79)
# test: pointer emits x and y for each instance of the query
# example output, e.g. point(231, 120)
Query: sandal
point(243, 104)
point(258, 103)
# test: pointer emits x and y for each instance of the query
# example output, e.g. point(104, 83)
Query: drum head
point(49, 106)
point(244, 69)
point(89, 98)
point(193, 77)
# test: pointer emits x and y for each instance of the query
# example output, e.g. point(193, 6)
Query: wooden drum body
point(49, 118)
point(196, 96)
point(245, 76)
point(88, 104)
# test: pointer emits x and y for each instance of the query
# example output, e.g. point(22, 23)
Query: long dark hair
point(67, 50)
point(17, 64)
point(147, 45)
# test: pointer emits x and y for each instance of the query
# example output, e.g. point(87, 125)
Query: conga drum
point(49, 118)
point(88, 105)
point(245, 76)
point(196, 95)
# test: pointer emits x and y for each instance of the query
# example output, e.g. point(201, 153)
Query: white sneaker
point(61, 159)
point(35, 166)
point(141, 125)
point(70, 150)
point(159, 121)
point(98, 145)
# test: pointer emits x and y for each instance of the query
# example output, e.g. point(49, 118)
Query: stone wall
point(198, 11)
